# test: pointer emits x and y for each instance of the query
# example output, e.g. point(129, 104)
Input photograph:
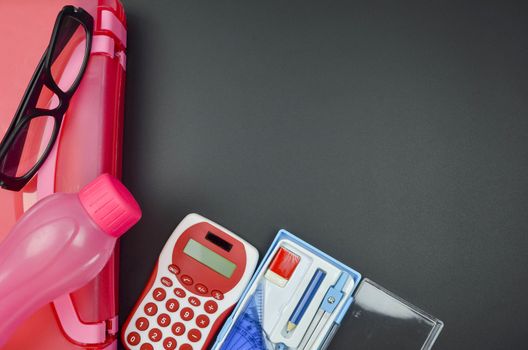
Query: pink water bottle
point(59, 245)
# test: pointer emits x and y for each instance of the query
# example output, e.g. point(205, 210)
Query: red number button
point(186, 347)
point(211, 306)
point(178, 328)
point(133, 338)
point(194, 335)
point(169, 343)
point(187, 280)
point(155, 335)
point(159, 294)
point(151, 309)
point(172, 305)
point(180, 292)
point(218, 295)
point(194, 301)
point(166, 281)
point(201, 288)
point(174, 269)
point(202, 321)
point(186, 314)
point(146, 346)
point(164, 320)
point(142, 323)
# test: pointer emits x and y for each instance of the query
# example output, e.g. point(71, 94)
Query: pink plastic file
point(89, 145)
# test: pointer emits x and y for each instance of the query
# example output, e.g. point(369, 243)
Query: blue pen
point(306, 299)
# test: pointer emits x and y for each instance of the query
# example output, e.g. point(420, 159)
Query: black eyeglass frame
point(27, 109)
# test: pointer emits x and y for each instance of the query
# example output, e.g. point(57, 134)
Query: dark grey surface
point(391, 134)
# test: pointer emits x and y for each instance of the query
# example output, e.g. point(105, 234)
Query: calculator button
point(142, 323)
point(164, 320)
point(194, 335)
point(151, 309)
point(202, 321)
point(174, 269)
point(211, 307)
point(201, 288)
point(155, 335)
point(169, 343)
point(194, 301)
point(187, 314)
point(218, 295)
point(166, 282)
point(146, 346)
point(172, 305)
point(159, 294)
point(133, 338)
point(178, 328)
point(187, 280)
point(180, 292)
point(186, 347)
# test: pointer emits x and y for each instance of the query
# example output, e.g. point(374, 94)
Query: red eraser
point(282, 267)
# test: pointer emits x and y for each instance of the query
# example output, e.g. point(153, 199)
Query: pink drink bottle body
point(59, 245)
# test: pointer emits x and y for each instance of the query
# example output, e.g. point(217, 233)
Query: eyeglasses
point(34, 129)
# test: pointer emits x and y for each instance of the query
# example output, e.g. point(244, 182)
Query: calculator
point(199, 277)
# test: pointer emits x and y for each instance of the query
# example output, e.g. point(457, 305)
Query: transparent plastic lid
point(381, 320)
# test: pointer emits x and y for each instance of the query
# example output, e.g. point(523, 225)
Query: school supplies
point(247, 331)
point(306, 299)
point(282, 267)
point(287, 311)
point(328, 306)
point(200, 275)
point(315, 299)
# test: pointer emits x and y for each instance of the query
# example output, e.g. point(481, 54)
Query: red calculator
point(199, 277)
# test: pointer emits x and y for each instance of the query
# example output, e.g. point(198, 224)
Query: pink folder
point(89, 144)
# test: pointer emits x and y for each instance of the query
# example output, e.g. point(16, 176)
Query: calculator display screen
point(209, 258)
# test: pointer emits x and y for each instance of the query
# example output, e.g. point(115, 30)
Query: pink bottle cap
point(110, 205)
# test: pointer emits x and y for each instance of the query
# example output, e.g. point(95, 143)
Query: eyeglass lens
point(28, 147)
point(69, 53)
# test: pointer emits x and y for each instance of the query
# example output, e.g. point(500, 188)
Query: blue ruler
point(247, 333)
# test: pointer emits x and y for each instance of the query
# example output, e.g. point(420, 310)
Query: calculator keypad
point(218, 295)
point(159, 294)
point(180, 292)
point(134, 338)
point(194, 335)
point(211, 307)
point(142, 323)
point(187, 280)
point(172, 317)
point(202, 321)
point(151, 309)
point(164, 320)
point(178, 329)
point(172, 305)
point(187, 314)
point(194, 301)
point(201, 289)
point(174, 269)
point(155, 335)
point(169, 343)
point(167, 282)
